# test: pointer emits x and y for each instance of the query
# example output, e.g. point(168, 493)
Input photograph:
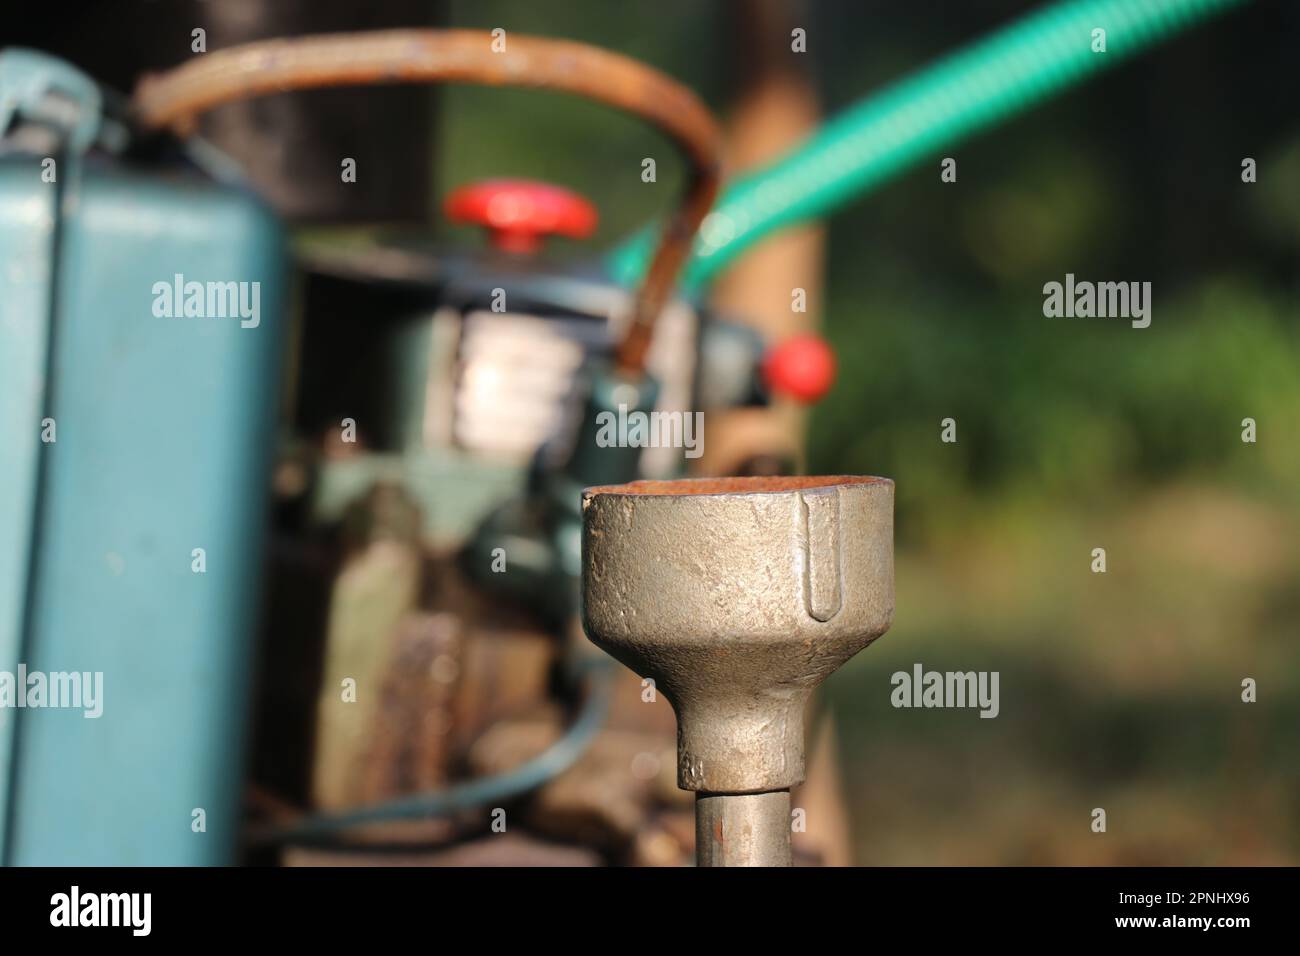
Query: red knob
point(802, 367)
point(520, 212)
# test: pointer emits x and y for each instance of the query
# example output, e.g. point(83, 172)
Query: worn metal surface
point(750, 829)
point(738, 596)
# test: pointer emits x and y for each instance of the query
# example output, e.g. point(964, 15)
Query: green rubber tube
point(886, 133)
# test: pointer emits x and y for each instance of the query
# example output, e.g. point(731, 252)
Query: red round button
point(519, 212)
point(802, 367)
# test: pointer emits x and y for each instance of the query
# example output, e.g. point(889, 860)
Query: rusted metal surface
point(175, 98)
point(377, 587)
point(603, 800)
point(738, 596)
point(429, 681)
point(409, 745)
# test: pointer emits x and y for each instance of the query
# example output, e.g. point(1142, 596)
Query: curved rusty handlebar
point(175, 98)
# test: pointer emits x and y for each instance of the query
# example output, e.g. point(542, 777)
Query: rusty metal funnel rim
point(753, 485)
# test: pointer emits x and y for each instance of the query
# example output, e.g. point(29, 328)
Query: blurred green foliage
point(1080, 408)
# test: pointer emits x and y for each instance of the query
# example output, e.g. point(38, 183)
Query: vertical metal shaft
point(748, 829)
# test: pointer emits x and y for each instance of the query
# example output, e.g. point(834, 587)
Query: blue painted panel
point(165, 430)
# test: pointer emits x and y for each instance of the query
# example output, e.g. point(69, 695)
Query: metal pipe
point(742, 829)
point(737, 597)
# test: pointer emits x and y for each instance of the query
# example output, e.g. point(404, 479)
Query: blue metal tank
point(136, 431)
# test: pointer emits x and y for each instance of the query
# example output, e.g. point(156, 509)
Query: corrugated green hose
point(991, 80)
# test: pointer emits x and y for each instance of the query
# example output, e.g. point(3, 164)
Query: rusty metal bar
point(175, 98)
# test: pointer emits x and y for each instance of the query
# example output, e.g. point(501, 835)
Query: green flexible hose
point(969, 90)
